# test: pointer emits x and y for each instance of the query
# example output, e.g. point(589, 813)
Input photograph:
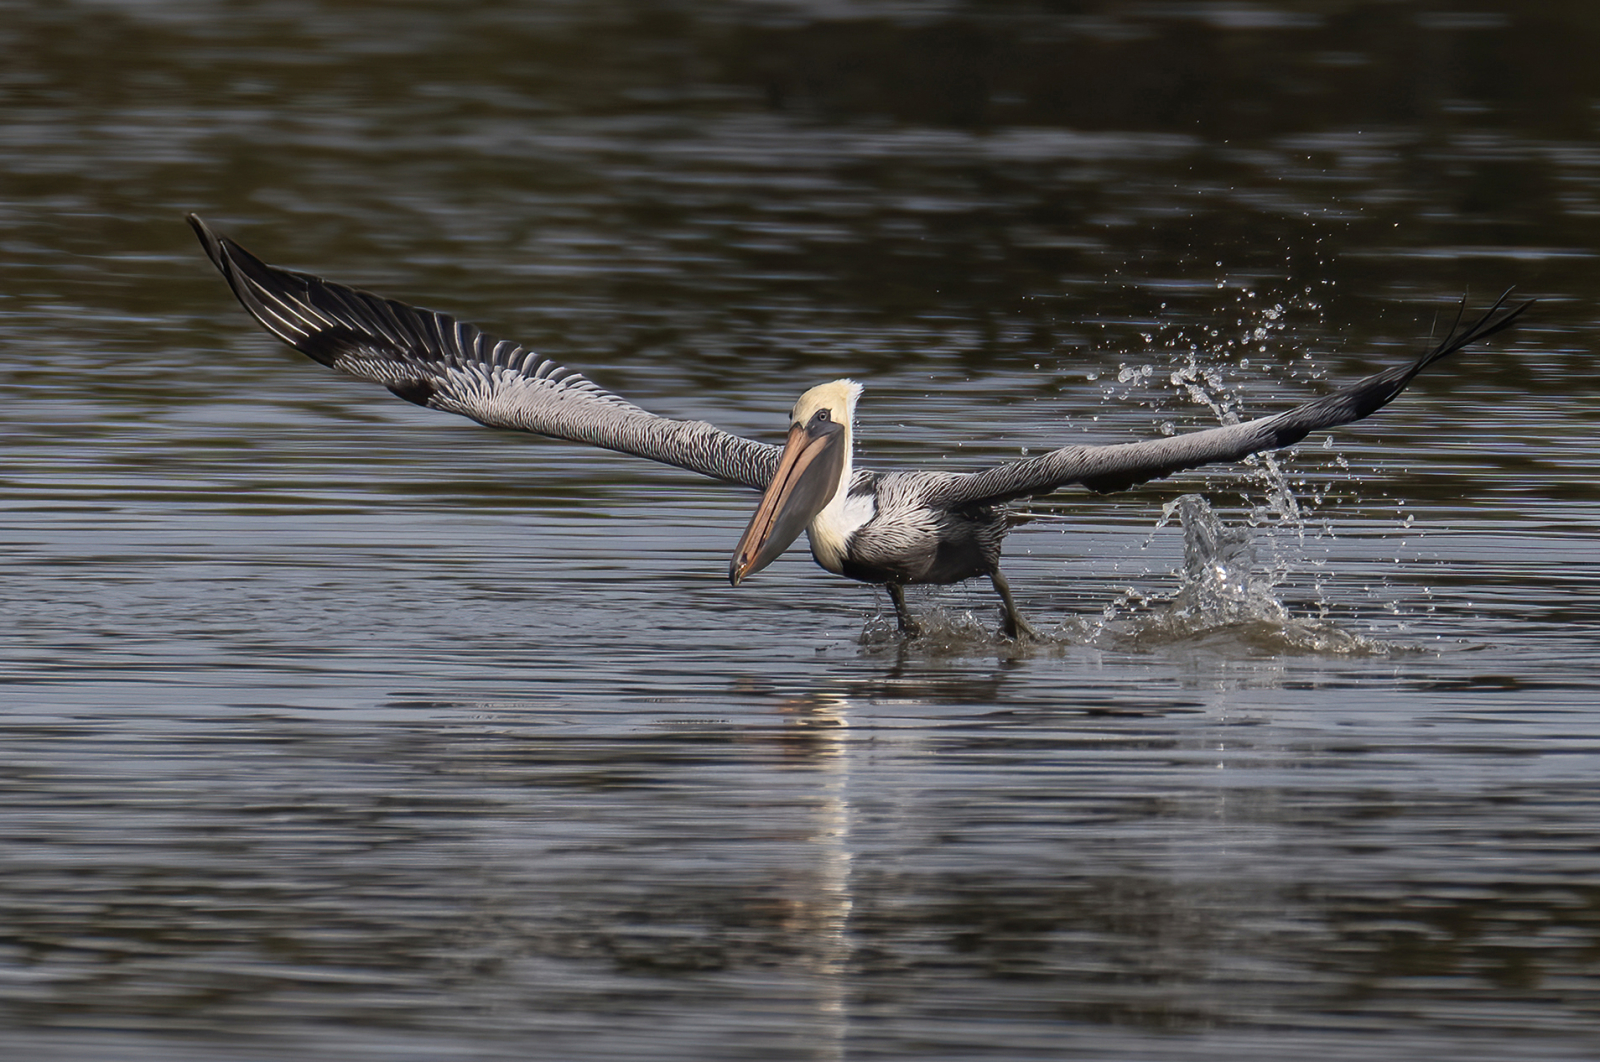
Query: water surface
point(336, 728)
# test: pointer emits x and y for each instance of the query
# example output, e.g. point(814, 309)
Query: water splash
point(1228, 595)
point(1226, 598)
point(1222, 582)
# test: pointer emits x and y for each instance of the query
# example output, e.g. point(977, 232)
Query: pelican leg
point(1014, 626)
point(908, 623)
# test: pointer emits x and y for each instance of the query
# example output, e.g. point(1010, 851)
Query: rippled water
point(336, 728)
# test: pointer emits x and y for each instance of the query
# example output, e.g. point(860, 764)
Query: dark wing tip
point(208, 240)
point(231, 260)
point(357, 332)
point(286, 303)
point(253, 284)
point(1491, 322)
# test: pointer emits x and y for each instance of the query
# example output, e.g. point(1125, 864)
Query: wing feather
point(1116, 467)
point(434, 360)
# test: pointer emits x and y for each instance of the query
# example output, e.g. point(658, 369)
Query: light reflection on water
point(339, 729)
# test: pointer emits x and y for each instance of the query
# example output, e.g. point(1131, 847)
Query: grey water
point(335, 728)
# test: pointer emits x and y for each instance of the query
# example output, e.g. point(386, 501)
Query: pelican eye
point(821, 416)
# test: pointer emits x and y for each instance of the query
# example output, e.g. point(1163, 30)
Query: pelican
point(895, 529)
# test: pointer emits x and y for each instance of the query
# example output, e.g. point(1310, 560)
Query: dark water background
point(338, 729)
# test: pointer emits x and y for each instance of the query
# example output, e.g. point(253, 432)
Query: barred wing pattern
point(1105, 469)
point(434, 360)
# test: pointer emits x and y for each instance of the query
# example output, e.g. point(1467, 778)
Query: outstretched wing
point(436, 361)
point(1117, 467)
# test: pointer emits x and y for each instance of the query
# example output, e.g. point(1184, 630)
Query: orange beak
point(806, 481)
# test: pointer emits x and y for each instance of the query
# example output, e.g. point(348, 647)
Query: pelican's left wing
point(1116, 467)
point(436, 361)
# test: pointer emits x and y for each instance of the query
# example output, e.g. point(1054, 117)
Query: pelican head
point(813, 472)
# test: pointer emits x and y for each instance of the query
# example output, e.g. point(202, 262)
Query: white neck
point(830, 530)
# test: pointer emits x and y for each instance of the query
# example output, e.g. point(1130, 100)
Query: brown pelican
point(892, 528)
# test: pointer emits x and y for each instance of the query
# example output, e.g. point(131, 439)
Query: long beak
point(806, 480)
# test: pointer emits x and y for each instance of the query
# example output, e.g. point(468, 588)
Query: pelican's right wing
point(1116, 467)
point(436, 361)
